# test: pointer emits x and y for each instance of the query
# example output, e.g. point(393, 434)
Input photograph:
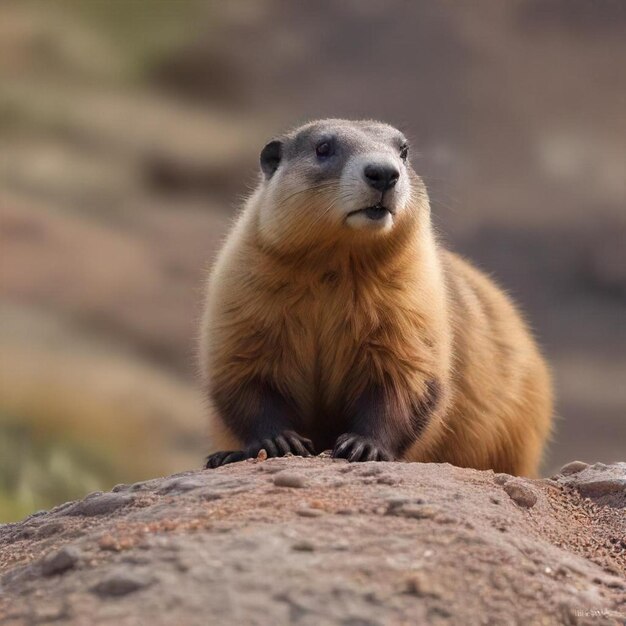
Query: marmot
point(335, 320)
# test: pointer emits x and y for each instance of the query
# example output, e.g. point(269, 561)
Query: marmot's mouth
point(374, 212)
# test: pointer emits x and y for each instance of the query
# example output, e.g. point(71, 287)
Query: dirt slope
point(318, 541)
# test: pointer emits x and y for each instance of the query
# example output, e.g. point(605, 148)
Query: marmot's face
point(331, 178)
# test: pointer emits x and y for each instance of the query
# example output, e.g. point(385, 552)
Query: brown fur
point(323, 321)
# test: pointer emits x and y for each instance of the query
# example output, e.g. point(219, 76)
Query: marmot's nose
point(381, 176)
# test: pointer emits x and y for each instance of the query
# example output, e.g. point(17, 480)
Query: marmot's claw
point(288, 442)
point(223, 458)
point(357, 448)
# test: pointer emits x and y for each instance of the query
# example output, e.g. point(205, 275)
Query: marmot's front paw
point(223, 458)
point(288, 442)
point(357, 448)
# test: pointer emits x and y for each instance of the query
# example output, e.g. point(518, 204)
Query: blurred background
point(130, 131)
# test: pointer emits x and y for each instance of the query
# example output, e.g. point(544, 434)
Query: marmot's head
point(337, 180)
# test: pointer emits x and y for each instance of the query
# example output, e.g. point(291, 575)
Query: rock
point(176, 559)
point(395, 502)
point(49, 529)
point(601, 487)
point(520, 493)
point(416, 511)
point(386, 479)
point(60, 561)
point(99, 504)
point(309, 512)
point(108, 542)
point(605, 484)
point(120, 582)
point(181, 485)
point(373, 470)
point(500, 479)
point(421, 585)
point(290, 479)
point(573, 467)
point(414, 508)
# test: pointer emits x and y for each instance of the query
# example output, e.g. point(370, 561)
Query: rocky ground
point(320, 541)
point(132, 131)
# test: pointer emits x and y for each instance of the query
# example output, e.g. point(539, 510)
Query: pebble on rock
point(120, 583)
point(306, 511)
point(181, 485)
point(422, 586)
point(573, 468)
point(417, 511)
point(520, 493)
point(60, 561)
point(289, 479)
point(500, 479)
point(99, 504)
point(601, 487)
point(49, 529)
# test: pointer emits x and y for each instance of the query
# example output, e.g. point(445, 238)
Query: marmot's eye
point(323, 149)
point(404, 152)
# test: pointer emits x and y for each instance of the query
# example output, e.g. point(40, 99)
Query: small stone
point(99, 504)
point(394, 502)
point(418, 511)
point(209, 494)
point(372, 470)
point(27, 532)
point(422, 586)
point(303, 546)
point(574, 467)
point(49, 529)
point(500, 479)
point(108, 542)
point(520, 493)
point(181, 485)
point(387, 480)
point(309, 512)
point(290, 479)
point(262, 455)
point(60, 561)
point(602, 487)
point(120, 583)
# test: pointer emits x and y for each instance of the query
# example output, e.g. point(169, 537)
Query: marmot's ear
point(270, 157)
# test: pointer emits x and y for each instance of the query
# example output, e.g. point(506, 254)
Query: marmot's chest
point(337, 336)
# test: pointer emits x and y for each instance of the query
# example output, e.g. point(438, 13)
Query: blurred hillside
point(130, 130)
